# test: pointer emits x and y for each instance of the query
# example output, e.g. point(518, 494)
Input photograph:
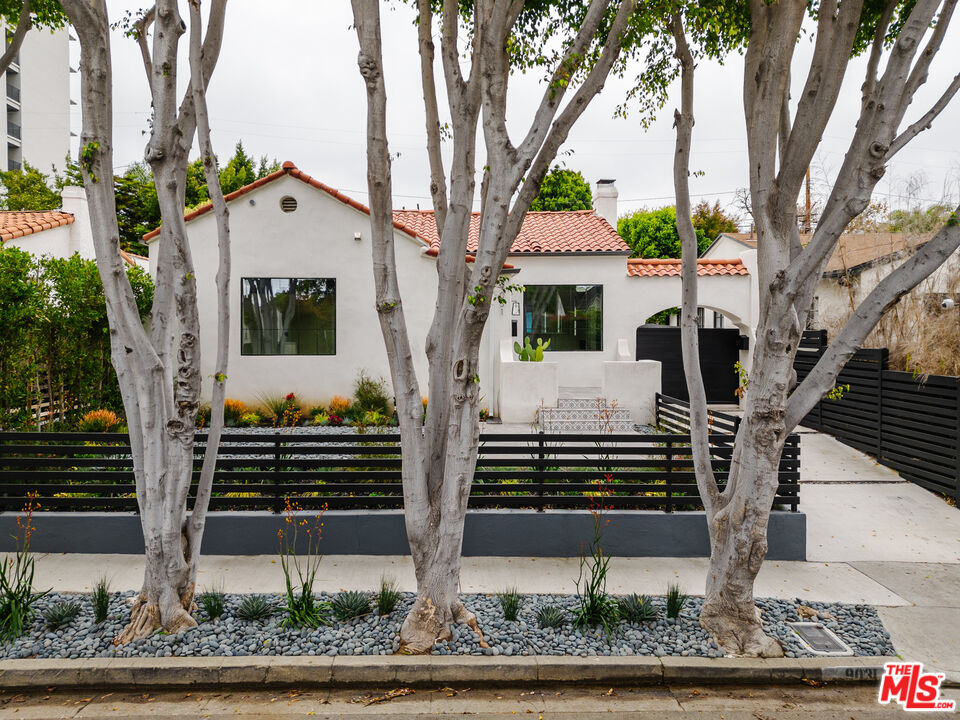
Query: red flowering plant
point(596, 607)
point(17, 596)
point(302, 608)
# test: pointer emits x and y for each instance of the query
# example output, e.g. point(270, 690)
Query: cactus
point(528, 353)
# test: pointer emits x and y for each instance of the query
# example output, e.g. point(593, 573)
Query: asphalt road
point(583, 703)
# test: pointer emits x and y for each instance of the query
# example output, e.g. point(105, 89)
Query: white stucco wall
point(316, 240)
point(55, 242)
point(725, 248)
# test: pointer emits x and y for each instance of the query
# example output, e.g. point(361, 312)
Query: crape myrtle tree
point(900, 40)
point(158, 367)
point(480, 43)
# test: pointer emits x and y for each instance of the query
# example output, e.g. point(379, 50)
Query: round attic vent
point(288, 203)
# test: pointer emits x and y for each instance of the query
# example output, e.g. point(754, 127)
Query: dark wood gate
point(719, 352)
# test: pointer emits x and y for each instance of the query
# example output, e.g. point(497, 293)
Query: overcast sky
point(287, 85)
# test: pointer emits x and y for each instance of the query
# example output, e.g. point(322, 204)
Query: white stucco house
point(302, 298)
point(56, 233)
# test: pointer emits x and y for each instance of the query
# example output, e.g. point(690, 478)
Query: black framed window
point(288, 316)
point(569, 316)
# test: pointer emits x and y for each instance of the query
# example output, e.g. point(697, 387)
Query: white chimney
point(73, 199)
point(605, 201)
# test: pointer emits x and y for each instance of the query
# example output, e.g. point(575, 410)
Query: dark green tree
point(653, 233)
point(711, 220)
point(27, 189)
point(563, 189)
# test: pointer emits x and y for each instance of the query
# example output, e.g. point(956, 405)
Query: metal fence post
point(277, 476)
point(541, 472)
point(668, 506)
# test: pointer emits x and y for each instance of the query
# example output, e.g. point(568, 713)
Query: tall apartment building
point(37, 86)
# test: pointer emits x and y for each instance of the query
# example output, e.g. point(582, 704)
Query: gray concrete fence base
point(504, 533)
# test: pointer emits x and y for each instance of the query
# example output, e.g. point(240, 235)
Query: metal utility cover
point(820, 640)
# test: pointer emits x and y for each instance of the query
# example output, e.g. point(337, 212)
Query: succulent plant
point(528, 353)
point(213, 603)
point(255, 608)
point(510, 601)
point(101, 600)
point(63, 613)
point(551, 616)
point(636, 608)
point(388, 597)
point(349, 605)
point(676, 599)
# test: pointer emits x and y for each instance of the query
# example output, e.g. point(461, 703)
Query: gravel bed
point(858, 625)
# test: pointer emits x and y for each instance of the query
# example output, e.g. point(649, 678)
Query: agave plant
point(255, 608)
point(349, 605)
point(551, 616)
point(636, 608)
point(63, 613)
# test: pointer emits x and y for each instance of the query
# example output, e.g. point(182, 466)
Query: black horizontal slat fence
point(908, 422)
point(673, 415)
point(94, 471)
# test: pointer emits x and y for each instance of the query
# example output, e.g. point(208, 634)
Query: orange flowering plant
point(596, 606)
point(302, 608)
point(17, 596)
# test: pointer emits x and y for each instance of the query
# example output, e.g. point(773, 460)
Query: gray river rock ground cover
point(857, 625)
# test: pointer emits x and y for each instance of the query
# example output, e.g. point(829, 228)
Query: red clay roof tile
point(670, 267)
point(580, 231)
point(14, 224)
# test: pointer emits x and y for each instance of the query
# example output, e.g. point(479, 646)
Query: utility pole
point(808, 224)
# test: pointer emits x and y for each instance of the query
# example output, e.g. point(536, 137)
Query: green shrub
point(349, 605)
point(636, 608)
point(213, 603)
point(255, 608)
point(388, 596)
point(101, 600)
point(676, 599)
point(510, 601)
point(61, 614)
point(250, 419)
point(551, 616)
point(370, 394)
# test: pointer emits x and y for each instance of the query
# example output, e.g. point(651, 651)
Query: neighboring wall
point(44, 109)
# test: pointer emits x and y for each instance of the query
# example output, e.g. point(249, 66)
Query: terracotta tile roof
point(856, 251)
point(134, 260)
point(18, 224)
point(580, 231)
point(670, 267)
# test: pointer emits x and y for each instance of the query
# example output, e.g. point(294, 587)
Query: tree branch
point(16, 40)
point(689, 332)
point(141, 27)
point(918, 76)
point(366, 14)
point(438, 180)
point(926, 121)
point(888, 291)
point(222, 213)
point(876, 50)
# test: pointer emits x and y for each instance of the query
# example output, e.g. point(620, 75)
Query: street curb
point(227, 672)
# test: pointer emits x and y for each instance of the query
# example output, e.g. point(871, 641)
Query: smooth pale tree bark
point(439, 452)
point(15, 41)
point(159, 370)
point(780, 149)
